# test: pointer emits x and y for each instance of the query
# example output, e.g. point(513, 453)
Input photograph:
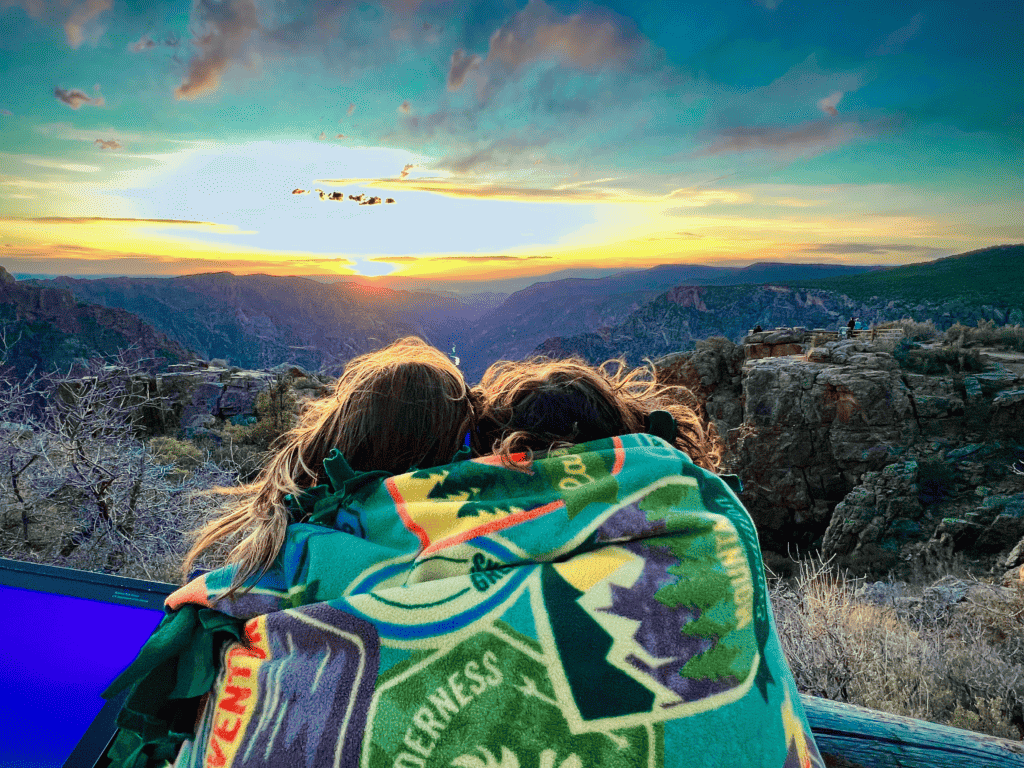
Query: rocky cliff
point(45, 328)
point(678, 318)
point(841, 450)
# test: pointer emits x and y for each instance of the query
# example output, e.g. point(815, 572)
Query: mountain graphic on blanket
point(601, 606)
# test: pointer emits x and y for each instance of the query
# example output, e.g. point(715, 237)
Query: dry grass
point(908, 651)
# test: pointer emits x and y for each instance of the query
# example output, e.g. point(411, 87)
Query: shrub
point(914, 330)
point(912, 357)
point(905, 654)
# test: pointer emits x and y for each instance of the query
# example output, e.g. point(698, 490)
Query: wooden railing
point(854, 737)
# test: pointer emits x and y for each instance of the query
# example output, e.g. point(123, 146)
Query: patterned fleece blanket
point(601, 607)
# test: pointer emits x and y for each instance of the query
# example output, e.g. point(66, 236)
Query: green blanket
point(603, 606)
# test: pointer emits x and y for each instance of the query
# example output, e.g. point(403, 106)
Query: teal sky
point(167, 138)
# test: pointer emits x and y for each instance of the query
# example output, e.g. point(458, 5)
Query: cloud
point(771, 5)
point(404, 107)
point(69, 132)
point(144, 43)
point(75, 98)
point(504, 152)
point(82, 15)
point(229, 26)
point(588, 41)
point(828, 104)
point(460, 257)
point(461, 189)
point(105, 220)
point(896, 40)
point(340, 136)
point(405, 170)
point(297, 191)
point(6, 112)
point(815, 135)
point(460, 67)
point(43, 162)
point(390, 200)
point(323, 135)
point(350, 110)
point(877, 249)
point(699, 198)
point(108, 143)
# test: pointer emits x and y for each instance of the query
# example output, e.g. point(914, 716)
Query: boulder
point(812, 432)
point(883, 510)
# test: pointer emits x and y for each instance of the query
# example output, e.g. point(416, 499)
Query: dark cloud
point(229, 27)
point(298, 191)
point(405, 170)
point(144, 43)
point(108, 143)
point(504, 152)
point(371, 201)
point(460, 67)
point(815, 135)
point(75, 98)
point(390, 200)
point(357, 198)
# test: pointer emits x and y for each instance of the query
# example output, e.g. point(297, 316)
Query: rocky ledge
point(841, 450)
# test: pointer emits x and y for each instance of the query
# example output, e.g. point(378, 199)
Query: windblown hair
point(540, 404)
point(404, 406)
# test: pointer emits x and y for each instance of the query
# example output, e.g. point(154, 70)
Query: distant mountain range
point(980, 285)
point(993, 276)
point(258, 321)
point(46, 327)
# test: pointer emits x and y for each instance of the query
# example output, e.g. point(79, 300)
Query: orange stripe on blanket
point(494, 525)
point(620, 455)
point(403, 513)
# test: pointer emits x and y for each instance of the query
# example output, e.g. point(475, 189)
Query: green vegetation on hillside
point(988, 276)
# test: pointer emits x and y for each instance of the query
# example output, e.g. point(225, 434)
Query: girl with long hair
point(400, 407)
point(540, 403)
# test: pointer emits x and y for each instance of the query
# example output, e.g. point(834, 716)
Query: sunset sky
point(152, 138)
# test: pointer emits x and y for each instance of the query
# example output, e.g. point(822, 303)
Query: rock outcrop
point(841, 450)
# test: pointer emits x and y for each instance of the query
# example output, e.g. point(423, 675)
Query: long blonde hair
point(539, 404)
point(403, 406)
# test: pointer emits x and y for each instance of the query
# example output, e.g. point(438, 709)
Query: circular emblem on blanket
point(408, 608)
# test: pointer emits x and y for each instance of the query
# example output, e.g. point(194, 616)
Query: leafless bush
point(961, 665)
point(79, 486)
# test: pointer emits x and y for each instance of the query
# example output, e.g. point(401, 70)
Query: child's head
point(403, 406)
point(540, 403)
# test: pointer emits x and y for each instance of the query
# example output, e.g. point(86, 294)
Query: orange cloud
point(828, 104)
point(108, 143)
point(350, 110)
point(405, 170)
point(405, 107)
